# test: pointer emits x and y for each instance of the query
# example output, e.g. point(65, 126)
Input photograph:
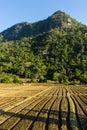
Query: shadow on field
point(62, 118)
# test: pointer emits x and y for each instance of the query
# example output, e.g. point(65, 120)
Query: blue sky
point(16, 11)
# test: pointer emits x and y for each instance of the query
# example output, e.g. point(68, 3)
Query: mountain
point(58, 20)
point(54, 49)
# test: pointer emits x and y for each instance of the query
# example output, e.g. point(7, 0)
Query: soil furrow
point(31, 114)
point(15, 110)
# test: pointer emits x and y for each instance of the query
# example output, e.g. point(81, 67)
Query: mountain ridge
point(24, 29)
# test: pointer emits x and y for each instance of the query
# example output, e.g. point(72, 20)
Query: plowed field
point(43, 107)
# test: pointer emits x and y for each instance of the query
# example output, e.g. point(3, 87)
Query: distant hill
point(54, 49)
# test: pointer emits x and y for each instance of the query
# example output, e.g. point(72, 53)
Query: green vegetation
point(54, 49)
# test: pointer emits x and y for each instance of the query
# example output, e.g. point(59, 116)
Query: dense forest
point(51, 50)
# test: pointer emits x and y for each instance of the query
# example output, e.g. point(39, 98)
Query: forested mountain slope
point(52, 49)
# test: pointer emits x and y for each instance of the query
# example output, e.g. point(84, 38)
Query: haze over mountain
point(53, 49)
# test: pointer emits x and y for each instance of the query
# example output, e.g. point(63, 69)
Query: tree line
point(59, 55)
